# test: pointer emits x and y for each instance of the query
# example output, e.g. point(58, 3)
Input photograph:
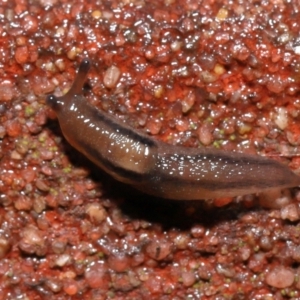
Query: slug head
point(57, 103)
point(54, 102)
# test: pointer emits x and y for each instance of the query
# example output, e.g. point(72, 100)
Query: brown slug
point(158, 168)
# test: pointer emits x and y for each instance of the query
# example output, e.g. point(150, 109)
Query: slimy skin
point(157, 168)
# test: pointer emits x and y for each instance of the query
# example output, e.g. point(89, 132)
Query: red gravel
point(222, 74)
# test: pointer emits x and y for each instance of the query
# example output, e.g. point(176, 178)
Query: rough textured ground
point(219, 74)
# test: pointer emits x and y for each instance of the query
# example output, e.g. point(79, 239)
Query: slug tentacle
point(78, 84)
point(158, 168)
point(57, 103)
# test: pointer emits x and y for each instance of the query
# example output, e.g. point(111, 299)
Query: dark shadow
point(174, 213)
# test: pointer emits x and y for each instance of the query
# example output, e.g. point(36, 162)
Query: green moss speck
point(283, 292)
point(53, 192)
point(217, 144)
point(67, 169)
point(9, 273)
point(193, 126)
point(209, 120)
point(293, 294)
point(42, 138)
point(35, 154)
point(29, 111)
point(110, 294)
point(256, 248)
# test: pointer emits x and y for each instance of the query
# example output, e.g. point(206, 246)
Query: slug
point(157, 168)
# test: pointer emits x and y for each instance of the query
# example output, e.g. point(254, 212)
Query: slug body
point(158, 168)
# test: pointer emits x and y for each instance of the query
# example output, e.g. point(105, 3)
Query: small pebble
point(280, 277)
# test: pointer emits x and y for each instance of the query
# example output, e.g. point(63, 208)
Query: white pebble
point(281, 118)
point(280, 277)
point(111, 77)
